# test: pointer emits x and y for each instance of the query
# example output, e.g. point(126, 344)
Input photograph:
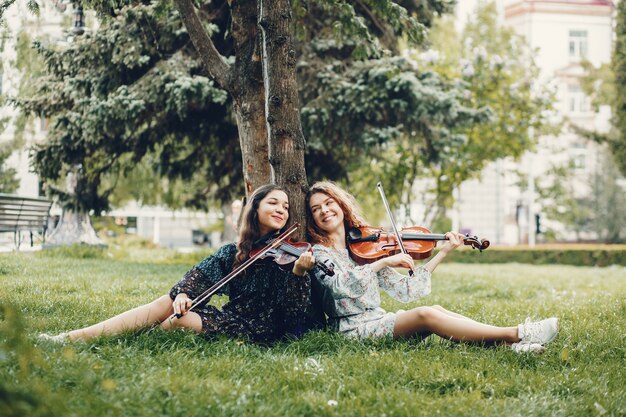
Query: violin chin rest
point(354, 233)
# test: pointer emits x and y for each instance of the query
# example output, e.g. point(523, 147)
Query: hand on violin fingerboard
point(455, 240)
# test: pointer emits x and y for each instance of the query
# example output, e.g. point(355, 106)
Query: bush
point(22, 395)
point(78, 251)
point(587, 256)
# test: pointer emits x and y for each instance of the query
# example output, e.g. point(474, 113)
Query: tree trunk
point(248, 94)
point(285, 137)
point(252, 133)
point(73, 228)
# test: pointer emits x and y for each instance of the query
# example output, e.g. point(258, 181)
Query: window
point(577, 101)
point(577, 43)
point(578, 155)
point(579, 161)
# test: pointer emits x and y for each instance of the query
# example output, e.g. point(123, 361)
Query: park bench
point(24, 214)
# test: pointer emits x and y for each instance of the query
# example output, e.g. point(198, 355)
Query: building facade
point(563, 34)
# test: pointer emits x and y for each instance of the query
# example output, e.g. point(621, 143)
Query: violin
point(368, 244)
point(260, 253)
point(288, 252)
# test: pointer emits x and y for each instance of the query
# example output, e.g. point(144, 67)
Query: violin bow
point(393, 223)
point(208, 293)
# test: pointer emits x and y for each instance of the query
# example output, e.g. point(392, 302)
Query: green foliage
point(495, 70)
point(598, 83)
point(361, 111)
point(133, 97)
point(19, 359)
point(440, 115)
point(9, 183)
point(8, 176)
point(32, 6)
point(608, 200)
point(552, 255)
point(617, 142)
point(157, 373)
point(134, 88)
point(602, 211)
point(31, 66)
point(76, 251)
point(559, 200)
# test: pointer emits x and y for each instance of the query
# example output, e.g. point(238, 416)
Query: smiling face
point(273, 212)
point(326, 213)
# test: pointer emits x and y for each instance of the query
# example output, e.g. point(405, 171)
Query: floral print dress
point(265, 302)
point(352, 298)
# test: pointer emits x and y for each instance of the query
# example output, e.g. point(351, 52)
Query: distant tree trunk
point(74, 227)
point(285, 137)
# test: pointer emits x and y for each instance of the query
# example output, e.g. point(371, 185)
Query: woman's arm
point(454, 241)
point(206, 273)
point(405, 288)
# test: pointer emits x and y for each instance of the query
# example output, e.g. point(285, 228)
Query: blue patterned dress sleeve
point(347, 282)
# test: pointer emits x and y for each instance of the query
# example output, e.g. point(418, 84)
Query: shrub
point(78, 251)
point(592, 256)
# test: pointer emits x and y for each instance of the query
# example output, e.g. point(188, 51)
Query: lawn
point(154, 373)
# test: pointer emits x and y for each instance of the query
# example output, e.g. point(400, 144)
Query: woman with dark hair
point(352, 299)
point(265, 302)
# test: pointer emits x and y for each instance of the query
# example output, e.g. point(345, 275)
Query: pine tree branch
point(387, 38)
point(214, 62)
point(5, 5)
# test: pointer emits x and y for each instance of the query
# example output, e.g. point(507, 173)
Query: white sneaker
point(526, 347)
point(541, 332)
point(59, 338)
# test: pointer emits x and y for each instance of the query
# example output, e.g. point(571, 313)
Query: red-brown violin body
point(368, 244)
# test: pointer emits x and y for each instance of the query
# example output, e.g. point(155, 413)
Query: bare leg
point(137, 318)
point(190, 320)
point(451, 313)
point(425, 320)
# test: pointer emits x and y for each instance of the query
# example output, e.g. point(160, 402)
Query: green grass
point(153, 373)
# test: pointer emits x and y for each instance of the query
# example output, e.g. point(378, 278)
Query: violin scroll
point(476, 243)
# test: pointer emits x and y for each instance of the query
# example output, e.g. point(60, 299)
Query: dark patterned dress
point(265, 302)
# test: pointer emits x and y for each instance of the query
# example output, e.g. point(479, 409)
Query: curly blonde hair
point(352, 216)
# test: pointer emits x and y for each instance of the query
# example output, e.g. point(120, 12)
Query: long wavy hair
point(249, 231)
point(352, 216)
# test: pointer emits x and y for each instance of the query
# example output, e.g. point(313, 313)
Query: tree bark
point(248, 94)
point(243, 81)
point(213, 61)
point(284, 130)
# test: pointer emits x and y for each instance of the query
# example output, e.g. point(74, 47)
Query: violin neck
point(423, 236)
